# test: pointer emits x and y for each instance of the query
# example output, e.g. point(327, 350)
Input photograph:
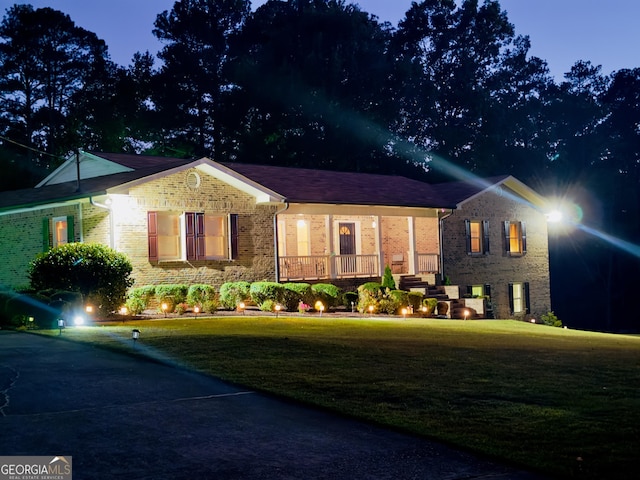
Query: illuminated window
point(57, 231)
point(519, 298)
point(60, 236)
point(191, 236)
point(515, 238)
point(303, 236)
point(477, 236)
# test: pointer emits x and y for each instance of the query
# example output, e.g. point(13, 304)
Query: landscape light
point(466, 314)
point(404, 313)
point(60, 325)
point(277, 307)
point(123, 310)
point(241, 307)
point(88, 309)
point(196, 311)
point(164, 307)
point(371, 309)
point(78, 320)
point(135, 335)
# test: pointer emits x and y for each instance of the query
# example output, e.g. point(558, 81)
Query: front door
point(347, 234)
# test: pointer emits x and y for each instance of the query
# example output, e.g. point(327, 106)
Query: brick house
point(198, 221)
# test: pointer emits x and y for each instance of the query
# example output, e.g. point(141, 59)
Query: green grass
point(559, 401)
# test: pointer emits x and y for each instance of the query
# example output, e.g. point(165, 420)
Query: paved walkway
point(122, 417)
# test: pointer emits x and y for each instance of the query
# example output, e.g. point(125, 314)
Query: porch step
point(412, 283)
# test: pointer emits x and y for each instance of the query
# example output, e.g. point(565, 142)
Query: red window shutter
point(190, 234)
point(199, 237)
point(233, 230)
point(152, 235)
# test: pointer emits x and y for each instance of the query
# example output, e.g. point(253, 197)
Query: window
point(191, 236)
point(519, 298)
point(479, 290)
point(57, 231)
point(304, 247)
point(477, 237)
point(515, 238)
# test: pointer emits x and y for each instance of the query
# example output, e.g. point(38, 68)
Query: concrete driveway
point(123, 417)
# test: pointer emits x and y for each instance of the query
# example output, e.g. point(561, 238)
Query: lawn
point(560, 401)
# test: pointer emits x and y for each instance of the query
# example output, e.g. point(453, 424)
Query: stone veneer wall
point(498, 268)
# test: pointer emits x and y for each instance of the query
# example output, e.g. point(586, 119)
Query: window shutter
point(524, 237)
point(487, 290)
point(201, 253)
point(507, 240)
point(526, 298)
point(233, 235)
point(485, 232)
point(511, 298)
point(71, 234)
point(469, 289)
point(190, 234)
point(46, 234)
point(467, 233)
point(152, 235)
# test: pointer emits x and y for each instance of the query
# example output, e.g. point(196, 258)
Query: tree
point(190, 84)
point(314, 87)
point(99, 273)
point(45, 60)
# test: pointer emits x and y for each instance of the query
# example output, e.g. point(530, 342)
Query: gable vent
point(193, 180)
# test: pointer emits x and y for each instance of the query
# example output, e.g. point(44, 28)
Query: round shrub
point(294, 293)
point(98, 272)
point(199, 294)
point(262, 291)
point(328, 294)
point(232, 293)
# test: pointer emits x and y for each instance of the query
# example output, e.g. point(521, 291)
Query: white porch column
point(411, 222)
point(328, 219)
point(378, 244)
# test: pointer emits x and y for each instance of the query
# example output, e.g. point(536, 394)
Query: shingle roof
point(299, 185)
point(296, 185)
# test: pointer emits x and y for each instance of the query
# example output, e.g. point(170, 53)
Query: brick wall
point(498, 268)
point(255, 231)
point(21, 240)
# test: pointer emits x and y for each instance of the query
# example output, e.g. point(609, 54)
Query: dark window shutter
point(46, 234)
point(511, 298)
point(201, 254)
point(524, 237)
point(467, 233)
point(233, 231)
point(526, 298)
point(152, 235)
point(507, 242)
point(485, 233)
point(487, 290)
point(190, 234)
point(469, 289)
point(71, 234)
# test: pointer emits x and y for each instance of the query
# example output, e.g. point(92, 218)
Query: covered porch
point(317, 242)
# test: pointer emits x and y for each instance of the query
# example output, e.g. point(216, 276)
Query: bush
point(415, 300)
point(199, 294)
point(350, 299)
point(99, 273)
point(295, 293)
point(138, 299)
point(369, 294)
point(550, 319)
point(328, 294)
point(170, 295)
point(431, 304)
point(268, 306)
point(232, 293)
point(387, 279)
point(211, 305)
point(17, 308)
point(262, 291)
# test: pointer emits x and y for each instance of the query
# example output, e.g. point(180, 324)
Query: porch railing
point(428, 263)
point(320, 266)
point(345, 266)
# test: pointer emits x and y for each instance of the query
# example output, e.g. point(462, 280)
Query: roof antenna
point(78, 169)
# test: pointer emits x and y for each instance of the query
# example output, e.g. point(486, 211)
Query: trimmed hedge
point(232, 293)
